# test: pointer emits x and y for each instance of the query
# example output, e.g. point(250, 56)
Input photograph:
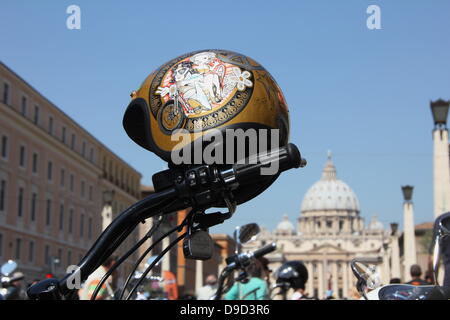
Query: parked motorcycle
point(9, 290)
point(369, 284)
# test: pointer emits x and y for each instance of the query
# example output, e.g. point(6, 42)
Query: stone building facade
point(53, 175)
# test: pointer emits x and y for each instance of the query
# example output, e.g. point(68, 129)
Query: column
point(165, 265)
point(410, 257)
point(320, 271)
point(335, 279)
point(345, 267)
point(395, 257)
point(310, 283)
point(386, 272)
point(351, 278)
point(441, 172)
point(198, 274)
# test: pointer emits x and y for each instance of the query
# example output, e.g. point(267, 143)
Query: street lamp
point(407, 192)
point(108, 197)
point(394, 228)
point(439, 109)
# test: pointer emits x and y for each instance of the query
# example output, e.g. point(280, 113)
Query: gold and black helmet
point(201, 92)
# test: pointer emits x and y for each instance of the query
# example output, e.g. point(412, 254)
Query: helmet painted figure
point(201, 91)
point(293, 273)
point(194, 101)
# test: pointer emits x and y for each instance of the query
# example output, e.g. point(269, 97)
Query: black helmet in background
point(293, 273)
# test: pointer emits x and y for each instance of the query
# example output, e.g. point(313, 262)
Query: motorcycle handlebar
point(171, 196)
point(265, 250)
point(439, 293)
point(286, 157)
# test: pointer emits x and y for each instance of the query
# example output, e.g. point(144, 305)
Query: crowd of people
point(255, 286)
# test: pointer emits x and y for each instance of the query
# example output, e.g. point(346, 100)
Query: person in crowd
point(209, 289)
point(106, 292)
point(395, 281)
point(416, 273)
point(255, 288)
point(16, 291)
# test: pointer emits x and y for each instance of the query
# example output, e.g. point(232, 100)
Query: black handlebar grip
point(288, 157)
point(439, 293)
point(265, 250)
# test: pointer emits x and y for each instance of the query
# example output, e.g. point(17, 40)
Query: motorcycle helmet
point(182, 106)
point(293, 273)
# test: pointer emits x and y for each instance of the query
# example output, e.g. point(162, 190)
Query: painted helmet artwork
point(200, 94)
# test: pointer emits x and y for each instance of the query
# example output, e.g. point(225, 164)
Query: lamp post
point(439, 110)
point(409, 239)
point(395, 252)
point(441, 168)
point(107, 214)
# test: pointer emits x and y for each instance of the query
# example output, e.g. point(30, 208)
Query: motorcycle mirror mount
point(244, 234)
point(442, 232)
point(367, 276)
point(8, 267)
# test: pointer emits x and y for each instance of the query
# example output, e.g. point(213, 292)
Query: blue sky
point(364, 94)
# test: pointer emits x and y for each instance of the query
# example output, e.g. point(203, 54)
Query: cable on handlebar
point(150, 267)
point(125, 256)
point(177, 228)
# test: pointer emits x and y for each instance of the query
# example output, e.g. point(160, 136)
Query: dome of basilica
point(329, 193)
point(285, 225)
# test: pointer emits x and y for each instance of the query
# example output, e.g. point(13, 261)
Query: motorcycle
point(194, 187)
point(9, 291)
point(369, 284)
point(240, 260)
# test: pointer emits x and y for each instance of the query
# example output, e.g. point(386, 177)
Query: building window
point(33, 206)
point(22, 156)
point(70, 220)
point(35, 162)
point(24, 106)
point(81, 225)
point(50, 125)
point(71, 182)
point(82, 189)
point(1, 245)
point(18, 248)
point(4, 147)
point(90, 228)
point(83, 149)
point(72, 142)
point(5, 93)
point(20, 203)
point(91, 155)
point(63, 135)
point(63, 173)
point(36, 115)
point(31, 252)
point(69, 257)
point(61, 217)
point(2, 194)
point(47, 254)
point(48, 212)
point(60, 254)
point(90, 193)
point(49, 171)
